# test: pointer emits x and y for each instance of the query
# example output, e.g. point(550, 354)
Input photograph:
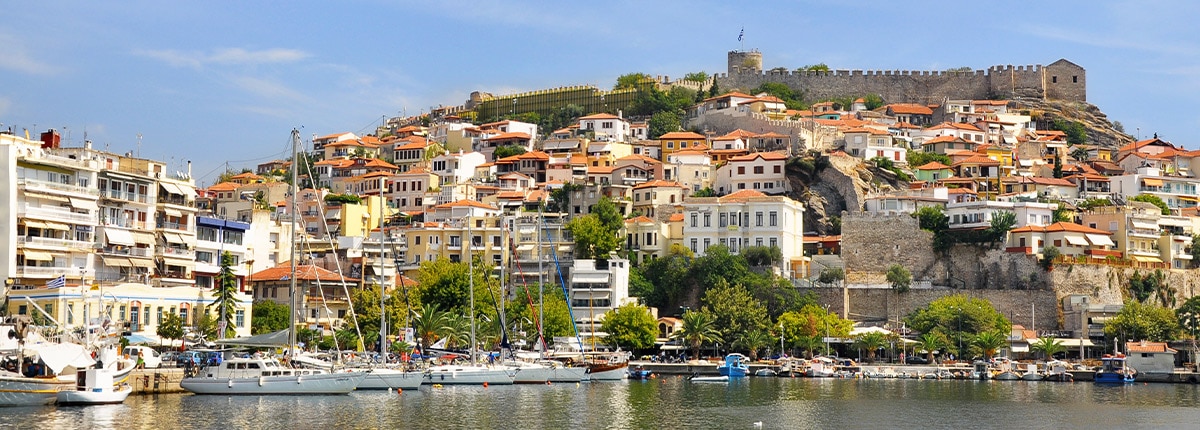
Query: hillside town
point(746, 210)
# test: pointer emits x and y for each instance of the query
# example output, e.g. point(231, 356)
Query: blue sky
point(217, 82)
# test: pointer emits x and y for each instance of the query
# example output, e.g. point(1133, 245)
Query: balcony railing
point(46, 241)
point(124, 195)
point(133, 252)
point(23, 271)
point(55, 214)
point(175, 252)
point(34, 184)
point(136, 225)
point(172, 225)
point(177, 201)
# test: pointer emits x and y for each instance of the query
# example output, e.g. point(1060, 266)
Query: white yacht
point(257, 375)
point(465, 374)
point(382, 378)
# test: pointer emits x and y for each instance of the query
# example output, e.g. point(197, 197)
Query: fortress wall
point(916, 86)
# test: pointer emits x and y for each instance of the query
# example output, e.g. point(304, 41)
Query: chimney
point(50, 139)
point(189, 169)
point(87, 144)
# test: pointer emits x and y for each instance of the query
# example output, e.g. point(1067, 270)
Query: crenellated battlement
point(1060, 80)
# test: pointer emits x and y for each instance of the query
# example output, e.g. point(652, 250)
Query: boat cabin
point(254, 368)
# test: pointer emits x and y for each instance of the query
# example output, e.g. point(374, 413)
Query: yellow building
point(680, 140)
point(429, 241)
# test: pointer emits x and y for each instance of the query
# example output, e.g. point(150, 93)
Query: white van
point(149, 356)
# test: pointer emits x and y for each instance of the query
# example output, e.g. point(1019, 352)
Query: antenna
point(139, 145)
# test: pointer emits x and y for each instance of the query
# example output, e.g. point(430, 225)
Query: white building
point(979, 213)
point(214, 237)
point(1176, 191)
point(597, 286)
point(762, 171)
point(455, 169)
point(746, 218)
point(692, 169)
point(606, 127)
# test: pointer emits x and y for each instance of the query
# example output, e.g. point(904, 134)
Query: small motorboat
point(1057, 371)
point(735, 366)
point(640, 373)
point(94, 387)
point(1115, 371)
point(1031, 373)
point(697, 378)
point(766, 371)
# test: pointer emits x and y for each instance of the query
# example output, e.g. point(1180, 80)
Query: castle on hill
point(1061, 80)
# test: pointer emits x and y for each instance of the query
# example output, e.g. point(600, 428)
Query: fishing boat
point(1114, 370)
point(94, 387)
point(981, 371)
point(1031, 373)
point(33, 373)
point(734, 366)
point(611, 366)
point(258, 375)
point(1004, 370)
point(821, 367)
point(1057, 371)
point(766, 371)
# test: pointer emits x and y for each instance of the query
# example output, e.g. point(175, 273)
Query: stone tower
point(744, 60)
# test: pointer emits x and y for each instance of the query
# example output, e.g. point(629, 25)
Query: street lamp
point(781, 348)
point(826, 319)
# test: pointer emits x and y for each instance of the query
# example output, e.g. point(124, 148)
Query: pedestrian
point(141, 361)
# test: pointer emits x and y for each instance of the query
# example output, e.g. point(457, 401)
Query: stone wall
point(879, 304)
point(914, 86)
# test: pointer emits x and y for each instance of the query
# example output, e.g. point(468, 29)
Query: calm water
point(670, 402)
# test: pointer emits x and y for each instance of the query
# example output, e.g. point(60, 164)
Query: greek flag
point(741, 34)
point(58, 282)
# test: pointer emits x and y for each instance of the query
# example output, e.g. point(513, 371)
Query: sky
point(223, 83)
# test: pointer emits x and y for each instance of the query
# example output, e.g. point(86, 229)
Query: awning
point(141, 237)
point(1142, 259)
point(524, 248)
point(1145, 225)
point(34, 224)
point(84, 204)
point(585, 295)
point(138, 262)
point(1151, 182)
point(591, 278)
point(174, 238)
point(38, 255)
point(171, 188)
point(116, 261)
point(57, 226)
point(172, 212)
point(1076, 240)
point(118, 237)
point(1017, 347)
point(1100, 240)
point(63, 199)
point(333, 214)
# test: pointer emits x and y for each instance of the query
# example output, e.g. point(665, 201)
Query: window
point(741, 170)
point(694, 243)
point(204, 256)
point(779, 169)
point(670, 145)
point(1074, 79)
point(758, 219)
point(723, 221)
point(418, 239)
point(745, 219)
point(758, 241)
point(233, 237)
point(1054, 79)
point(707, 242)
point(774, 241)
point(708, 220)
point(774, 219)
point(758, 170)
point(694, 218)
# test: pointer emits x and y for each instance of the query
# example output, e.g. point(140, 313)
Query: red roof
point(658, 183)
point(909, 109)
point(687, 135)
point(307, 272)
point(465, 203)
point(933, 165)
point(763, 155)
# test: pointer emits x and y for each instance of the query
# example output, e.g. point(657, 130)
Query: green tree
point(1002, 222)
point(1138, 321)
point(871, 342)
point(696, 77)
point(225, 299)
point(444, 283)
point(1154, 200)
point(793, 99)
point(631, 80)
point(269, 317)
point(899, 278)
point(819, 67)
point(1062, 214)
point(507, 151)
point(1049, 254)
point(989, 342)
point(593, 240)
point(735, 311)
point(963, 69)
point(560, 198)
point(1076, 131)
point(957, 317)
point(1058, 167)
point(696, 330)
point(762, 256)
point(170, 328)
point(639, 286)
point(342, 199)
point(630, 327)
point(669, 275)
point(1048, 346)
point(919, 158)
point(705, 192)
point(713, 91)
point(932, 343)
point(430, 324)
point(754, 341)
point(1188, 315)
point(830, 275)
point(1194, 250)
point(205, 326)
point(608, 214)
point(1079, 153)
point(873, 101)
point(663, 122)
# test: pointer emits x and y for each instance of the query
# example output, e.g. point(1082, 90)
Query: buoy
point(485, 385)
point(547, 382)
point(399, 391)
point(389, 389)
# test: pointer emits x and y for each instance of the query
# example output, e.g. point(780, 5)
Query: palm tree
point(429, 323)
point(457, 330)
point(809, 344)
point(754, 341)
point(697, 329)
point(871, 342)
point(931, 342)
point(1048, 346)
point(989, 342)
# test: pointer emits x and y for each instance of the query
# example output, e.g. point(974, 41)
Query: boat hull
point(322, 383)
point(1112, 378)
point(732, 371)
point(568, 374)
point(709, 379)
point(466, 375)
point(383, 379)
point(104, 397)
point(22, 391)
point(608, 372)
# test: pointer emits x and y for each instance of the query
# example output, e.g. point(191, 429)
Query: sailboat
point(30, 373)
point(258, 375)
point(473, 373)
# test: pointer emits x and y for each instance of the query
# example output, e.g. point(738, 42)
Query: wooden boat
point(640, 373)
point(1057, 371)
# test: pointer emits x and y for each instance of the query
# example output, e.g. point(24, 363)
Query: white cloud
point(224, 56)
point(267, 88)
point(17, 60)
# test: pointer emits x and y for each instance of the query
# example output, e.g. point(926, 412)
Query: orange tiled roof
point(675, 218)
point(465, 203)
point(657, 183)
point(955, 126)
point(933, 165)
point(600, 116)
point(978, 159)
point(306, 272)
point(639, 219)
point(764, 155)
point(1140, 347)
point(686, 135)
point(224, 186)
point(741, 195)
point(509, 135)
point(909, 109)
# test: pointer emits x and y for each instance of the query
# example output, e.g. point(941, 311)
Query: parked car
point(194, 357)
point(149, 356)
point(168, 357)
point(916, 359)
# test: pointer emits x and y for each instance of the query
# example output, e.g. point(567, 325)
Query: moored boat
point(383, 378)
point(263, 376)
point(454, 374)
point(1057, 371)
point(695, 378)
point(608, 367)
point(94, 387)
point(1114, 370)
point(640, 373)
point(734, 366)
point(1031, 373)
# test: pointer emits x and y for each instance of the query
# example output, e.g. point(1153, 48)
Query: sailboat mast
point(292, 245)
point(471, 283)
point(383, 329)
point(541, 285)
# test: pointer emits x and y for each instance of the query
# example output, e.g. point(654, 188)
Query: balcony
point(177, 201)
point(115, 194)
point(54, 243)
point(167, 225)
point(124, 250)
point(47, 272)
point(123, 223)
point(52, 214)
point(166, 251)
point(1102, 253)
point(34, 184)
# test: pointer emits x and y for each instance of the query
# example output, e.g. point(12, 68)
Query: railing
point(172, 225)
point(133, 252)
point(177, 201)
point(124, 195)
point(54, 186)
point(47, 241)
point(67, 161)
point(1109, 261)
point(55, 214)
point(175, 252)
point(23, 271)
point(136, 225)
